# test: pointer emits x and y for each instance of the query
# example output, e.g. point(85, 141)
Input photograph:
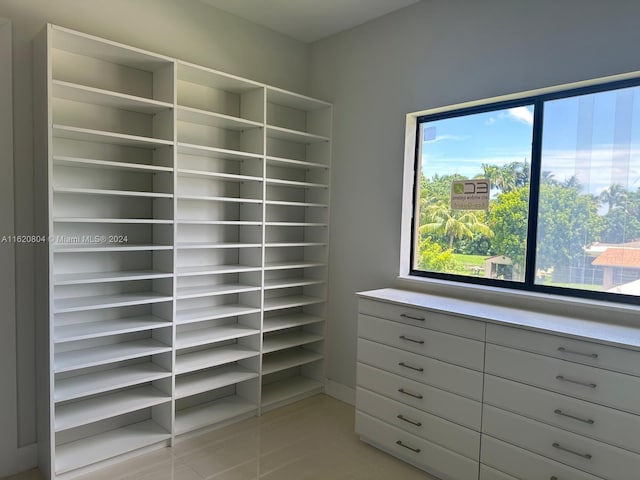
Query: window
point(540, 192)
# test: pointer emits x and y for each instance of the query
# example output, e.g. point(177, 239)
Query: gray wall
point(184, 29)
point(435, 53)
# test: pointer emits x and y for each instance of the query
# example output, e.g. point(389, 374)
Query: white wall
point(184, 29)
point(435, 53)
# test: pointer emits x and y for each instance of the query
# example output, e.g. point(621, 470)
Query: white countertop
point(602, 332)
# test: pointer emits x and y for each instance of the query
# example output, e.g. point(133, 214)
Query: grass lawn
point(471, 264)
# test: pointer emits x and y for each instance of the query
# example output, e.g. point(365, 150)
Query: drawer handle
point(405, 419)
point(416, 450)
point(418, 396)
point(573, 352)
point(410, 317)
point(403, 337)
point(577, 382)
point(583, 455)
point(584, 420)
point(417, 369)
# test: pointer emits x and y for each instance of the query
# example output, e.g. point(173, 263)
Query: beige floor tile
point(312, 439)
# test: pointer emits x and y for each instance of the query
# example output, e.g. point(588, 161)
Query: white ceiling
point(309, 20)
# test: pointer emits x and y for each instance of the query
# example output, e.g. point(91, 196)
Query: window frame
point(537, 98)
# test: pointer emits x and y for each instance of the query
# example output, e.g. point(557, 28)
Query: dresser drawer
point(430, 427)
point(423, 318)
point(589, 383)
point(488, 473)
point(443, 463)
point(589, 455)
point(524, 465)
point(447, 405)
point(439, 374)
point(585, 418)
point(580, 351)
point(442, 346)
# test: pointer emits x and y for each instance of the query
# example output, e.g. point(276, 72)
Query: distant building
point(620, 263)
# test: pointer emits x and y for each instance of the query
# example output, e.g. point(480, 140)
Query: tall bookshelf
point(186, 213)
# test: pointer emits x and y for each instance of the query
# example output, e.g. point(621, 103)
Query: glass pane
point(465, 237)
point(589, 208)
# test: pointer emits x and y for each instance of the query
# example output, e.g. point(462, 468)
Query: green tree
point(620, 226)
point(614, 196)
point(568, 221)
point(508, 217)
point(432, 257)
point(441, 220)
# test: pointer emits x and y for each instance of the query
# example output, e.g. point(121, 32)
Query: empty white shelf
point(282, 360)
point(212, 119)
point(282, 341)
point(253, 223)
point(215, 152)
point(213, 357)
point(104, 354)
point(228, 177)
point(211, 290)
point(101, 277)
point(214, 269)
point(195, 245)
point(295, 136)
point(100, 247)
point(192, 384)
point(89, 135)
point(192, 338)
point(108, 164)
point(295, 244)
point(293, 183)
point(287, 203)
point(97, 96)
point(289, 301)
point(291, 320)
point(218, 199)
point(293, 100)
point(82, 412)
point(292, 264)
point(290, 282)
point(295, 224)
point(107, 380)
point(292, 163)
point(211, 413)
point(284, 390)
point(191, 315)
point(90, 450)
point(83, 331)
point(115, 193)
point(112, 220)
point(77, 304)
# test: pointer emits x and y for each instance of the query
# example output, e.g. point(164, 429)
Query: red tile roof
point(619, 257)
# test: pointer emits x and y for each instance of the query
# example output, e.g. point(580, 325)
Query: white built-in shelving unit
point(187, 216)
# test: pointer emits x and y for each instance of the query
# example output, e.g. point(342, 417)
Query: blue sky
point(595, 137)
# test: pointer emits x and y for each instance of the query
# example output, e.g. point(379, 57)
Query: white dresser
point(471, 391)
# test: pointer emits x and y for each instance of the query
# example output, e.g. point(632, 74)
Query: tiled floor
point(309, 440)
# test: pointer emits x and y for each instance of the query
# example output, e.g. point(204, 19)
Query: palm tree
point(441, 220)
point(614, 196)
point(546, 176)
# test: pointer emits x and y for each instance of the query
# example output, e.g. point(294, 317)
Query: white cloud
point(455, 138)
point(521, 114)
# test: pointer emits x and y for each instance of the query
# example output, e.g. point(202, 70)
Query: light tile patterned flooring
point(309, 440)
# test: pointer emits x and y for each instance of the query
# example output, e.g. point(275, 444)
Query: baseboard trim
point(19, 460)
point(340, 391)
